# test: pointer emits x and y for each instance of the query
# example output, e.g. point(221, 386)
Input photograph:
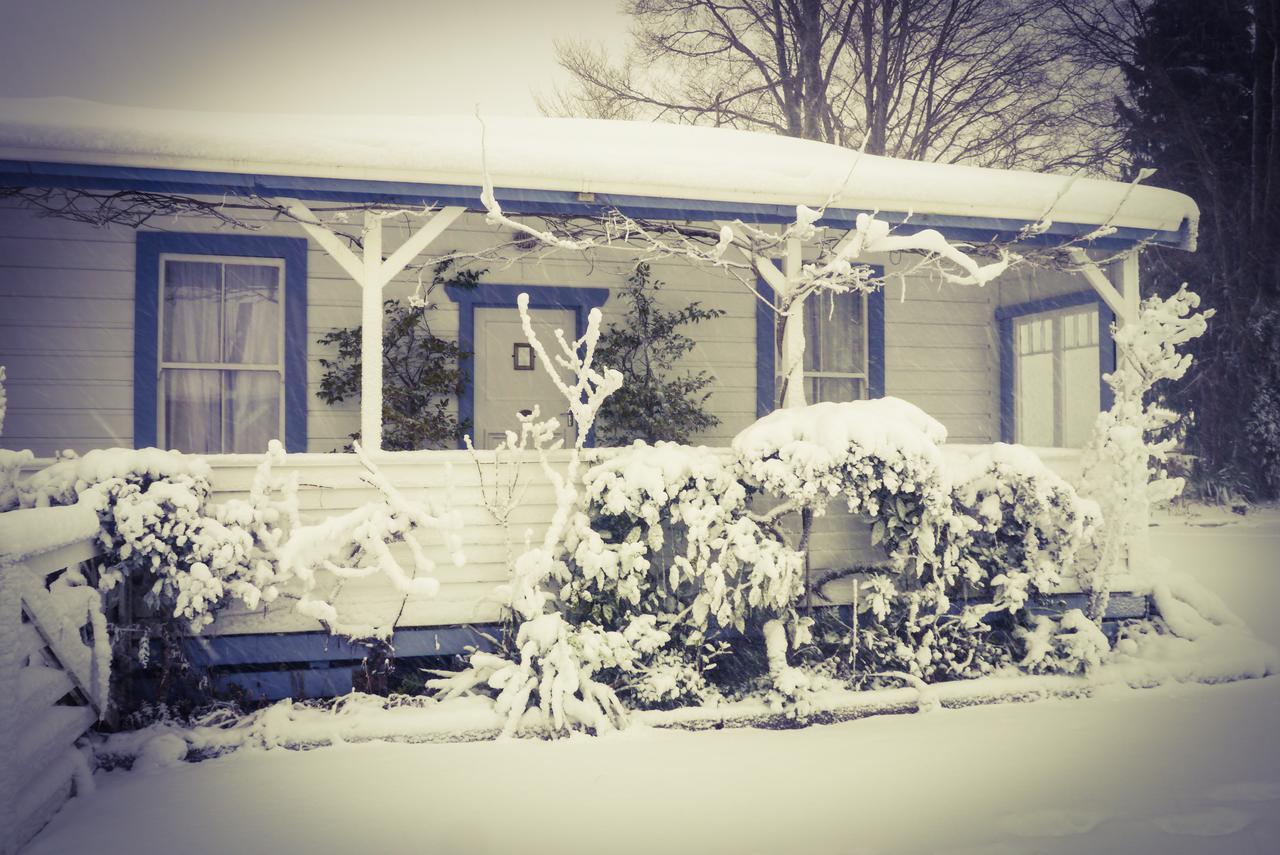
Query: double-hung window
point(835, 354)
point(220, 342)
point(1057, 361)
point(221, 353)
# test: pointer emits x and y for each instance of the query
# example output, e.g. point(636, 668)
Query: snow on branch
point(357, 545)
point(1123, 462)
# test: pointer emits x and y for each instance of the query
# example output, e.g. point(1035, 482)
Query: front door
point(510, 377)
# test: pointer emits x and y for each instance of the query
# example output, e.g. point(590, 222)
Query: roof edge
point(37, 173)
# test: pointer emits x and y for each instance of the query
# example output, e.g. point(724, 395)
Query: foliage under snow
point(1124, 460)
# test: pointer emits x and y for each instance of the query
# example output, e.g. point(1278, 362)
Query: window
point(220, 343)
point(1056, 366)
point(221, 348)
point(835, 355)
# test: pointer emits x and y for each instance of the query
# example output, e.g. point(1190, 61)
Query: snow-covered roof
point(611, 159)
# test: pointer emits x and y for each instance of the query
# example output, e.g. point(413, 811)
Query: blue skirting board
point(318, 665)
point(315, 664)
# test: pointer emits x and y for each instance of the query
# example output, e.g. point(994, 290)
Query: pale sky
point(307, 56)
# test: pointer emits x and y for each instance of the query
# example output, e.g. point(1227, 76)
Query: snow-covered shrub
point(896, 636)
point(879, 456)
point(550, 670)
point(671, 678)
point(556, 672)
point(665, 530)
point(159, 527)
point(1123, 464)
point(1071, 644)
point(11, 463)
point(1028, 525)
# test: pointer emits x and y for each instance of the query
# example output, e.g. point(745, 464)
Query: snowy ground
point(1177, 769)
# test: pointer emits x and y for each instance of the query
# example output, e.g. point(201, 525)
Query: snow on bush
point(879, 456)
point(11, 464)
point(552, 668)
point(158, 525)
point(666, 530)
point(1028, 524)
point(1071, 644)
point(1123, 464)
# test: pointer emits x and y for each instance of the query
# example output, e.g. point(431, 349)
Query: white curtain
point(833, 343)
point(251, 334)
point(215, 313)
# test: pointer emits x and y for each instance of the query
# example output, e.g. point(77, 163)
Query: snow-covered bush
point(1071, 644)
point(879, 456)
point(672, 678)
point(159, 527)
point(1028, 525)
point(1123, 464)
point(11, 463)
point(666, 530)
point(550, 671)
point(897, 636)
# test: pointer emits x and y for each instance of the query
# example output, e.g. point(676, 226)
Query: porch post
point(371, 336)
point(793, 328)
point(1139, 545)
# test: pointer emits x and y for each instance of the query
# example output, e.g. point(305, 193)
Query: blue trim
point(875, 341)
point(580, 301)
point(766, 352)
point(767, 346)
point(268, 648)
point(1005, 316)
point(146, 313)
point(978, 229)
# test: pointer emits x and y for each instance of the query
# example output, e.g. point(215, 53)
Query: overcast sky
point(341, 56)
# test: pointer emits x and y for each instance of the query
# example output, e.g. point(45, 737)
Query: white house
point(172, 327)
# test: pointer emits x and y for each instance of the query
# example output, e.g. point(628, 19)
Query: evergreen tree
point(1202, 112)
point(655, 402)
point(422, 373)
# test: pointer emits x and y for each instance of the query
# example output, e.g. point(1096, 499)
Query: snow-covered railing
point(54, 663)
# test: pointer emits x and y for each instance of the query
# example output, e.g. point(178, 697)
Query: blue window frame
point(288, 254)
point(1010, 318)
point(580, 301)
point(766, 347)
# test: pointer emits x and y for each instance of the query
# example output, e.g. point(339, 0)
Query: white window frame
point(162, 437)
point(1057, 327)
point(863, 375)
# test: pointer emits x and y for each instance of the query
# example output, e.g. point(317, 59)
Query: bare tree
point(980, 81)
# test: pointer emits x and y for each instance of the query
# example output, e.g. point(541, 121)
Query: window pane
point(1035, 399)
point(251, 417)
point(251, 314)
point(192, 411)
point(192, 291)
point(1080, 395)
point(834, 333)
point(837, 389)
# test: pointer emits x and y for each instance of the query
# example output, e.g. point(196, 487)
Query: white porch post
point(1139, 545)
point(371, 273)
point(371, 336)
point(793, 329)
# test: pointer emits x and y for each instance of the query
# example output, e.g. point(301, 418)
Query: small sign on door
point(522, 356)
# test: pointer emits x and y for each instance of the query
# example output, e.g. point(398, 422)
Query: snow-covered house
point(191, 318)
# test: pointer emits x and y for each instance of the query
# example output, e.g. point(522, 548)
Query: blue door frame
point(580, 301)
